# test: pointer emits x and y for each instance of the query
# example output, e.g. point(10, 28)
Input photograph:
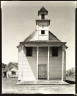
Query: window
point(43, 16)
point(42, 31)
point(54, 51)
point(13, 72)
point(29, 51)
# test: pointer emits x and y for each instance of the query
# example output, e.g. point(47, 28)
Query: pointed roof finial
point(42, 11)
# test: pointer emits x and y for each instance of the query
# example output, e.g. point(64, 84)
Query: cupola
point(43, 24)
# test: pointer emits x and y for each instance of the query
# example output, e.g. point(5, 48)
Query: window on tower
point(42, 31)
point(43, 16)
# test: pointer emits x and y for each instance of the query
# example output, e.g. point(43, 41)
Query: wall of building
point(43, 55)
point(43, 36)
point(64, 74)
point(9, 73)
point(55, 65)
point(27, 65)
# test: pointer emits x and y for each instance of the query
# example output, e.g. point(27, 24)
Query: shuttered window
point(29, 51)
point(54, 51)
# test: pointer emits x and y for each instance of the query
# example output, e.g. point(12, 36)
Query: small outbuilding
point(13, 72)
point(42, 56)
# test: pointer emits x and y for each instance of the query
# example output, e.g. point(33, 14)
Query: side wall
point(55, 65)
point(27, 65)
point(20, 62)
point(64, 75)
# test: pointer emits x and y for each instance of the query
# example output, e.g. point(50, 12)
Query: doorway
point(42, 71)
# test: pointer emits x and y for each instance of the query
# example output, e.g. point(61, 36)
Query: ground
point(9, 86)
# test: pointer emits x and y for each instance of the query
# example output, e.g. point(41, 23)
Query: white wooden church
point(41, 56)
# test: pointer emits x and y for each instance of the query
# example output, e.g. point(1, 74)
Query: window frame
point(42, 31)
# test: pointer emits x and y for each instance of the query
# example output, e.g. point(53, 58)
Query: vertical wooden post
point(48, 61)
point(62, 62)
point(37, 62)
point(22, 64)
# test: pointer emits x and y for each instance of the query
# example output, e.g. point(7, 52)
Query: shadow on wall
point(32, 60)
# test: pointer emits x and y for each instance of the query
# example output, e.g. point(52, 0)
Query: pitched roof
point(52, 39)
point(30, 36)
point(42, 10)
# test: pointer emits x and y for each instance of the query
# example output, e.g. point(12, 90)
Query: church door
point(42, 71)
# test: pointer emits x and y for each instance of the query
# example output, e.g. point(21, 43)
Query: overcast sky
point(18, 21)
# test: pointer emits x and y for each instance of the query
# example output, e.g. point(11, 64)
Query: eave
point(43, 44)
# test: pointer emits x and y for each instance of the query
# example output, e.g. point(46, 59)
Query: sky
point(18, 21)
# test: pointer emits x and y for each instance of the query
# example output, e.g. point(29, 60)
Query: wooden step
point(44, 82)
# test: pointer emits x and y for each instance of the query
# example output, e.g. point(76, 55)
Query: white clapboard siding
point(34, 37)
point(43, 55)
point(64, 69)
point(43, 51)
point(41, 37)
point(55, 65)
point(27, 65)
point(43, 60)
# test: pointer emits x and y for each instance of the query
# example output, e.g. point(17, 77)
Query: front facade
point(41, 56)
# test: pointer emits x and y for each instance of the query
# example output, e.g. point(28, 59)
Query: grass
point(9, 86)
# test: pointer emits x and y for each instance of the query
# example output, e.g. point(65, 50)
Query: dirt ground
point(9, 86)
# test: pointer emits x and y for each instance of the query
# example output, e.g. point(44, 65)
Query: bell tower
point(43, 24)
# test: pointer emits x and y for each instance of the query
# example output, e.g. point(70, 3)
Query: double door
point(42, 71)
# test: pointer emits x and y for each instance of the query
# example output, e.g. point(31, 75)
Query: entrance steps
point(43, 82)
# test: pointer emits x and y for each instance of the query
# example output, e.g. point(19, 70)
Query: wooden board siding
point(43, 55)
point(20, 62)
point(43, 36)
point(64, 75)
point(55, 65)
point(27, 65)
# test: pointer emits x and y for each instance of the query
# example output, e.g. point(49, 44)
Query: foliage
point(70, 72)
point(3, 65)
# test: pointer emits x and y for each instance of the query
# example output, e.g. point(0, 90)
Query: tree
point(70, 72)
point(3, 65)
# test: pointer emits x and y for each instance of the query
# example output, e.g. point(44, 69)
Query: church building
point(42, 56)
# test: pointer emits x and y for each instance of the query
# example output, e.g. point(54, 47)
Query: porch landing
point(43, 82)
